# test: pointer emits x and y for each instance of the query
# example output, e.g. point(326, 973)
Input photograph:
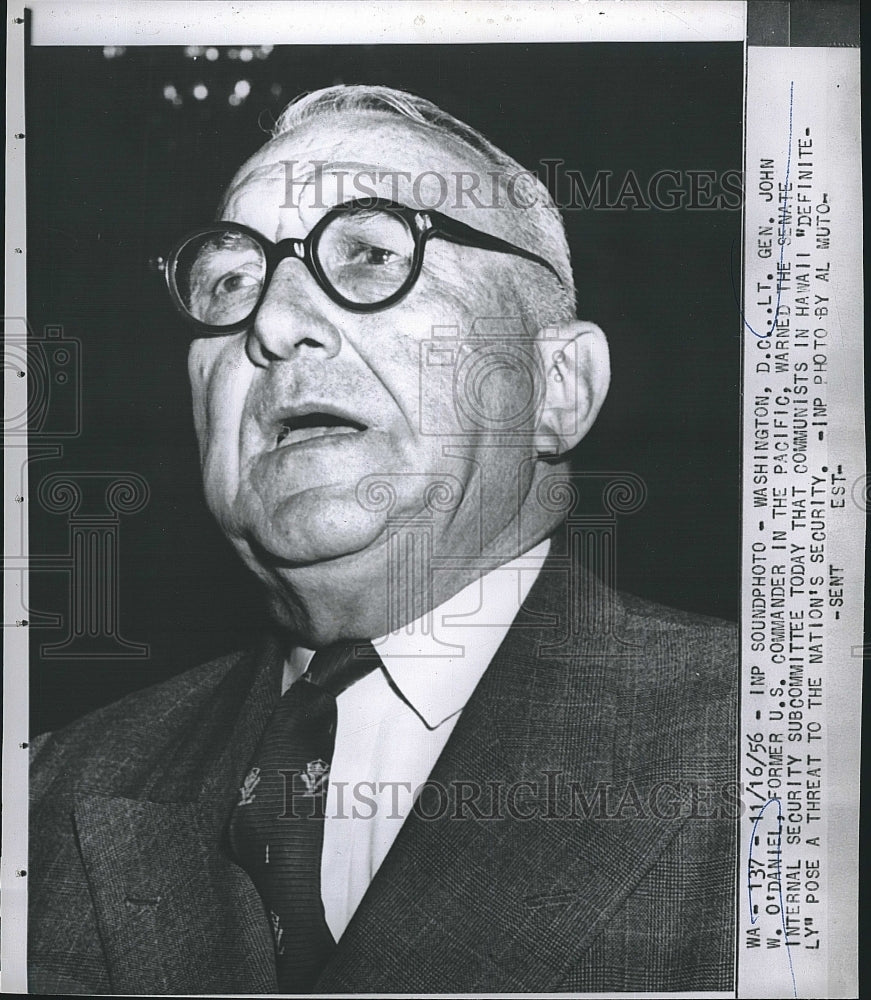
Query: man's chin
point(298, 537)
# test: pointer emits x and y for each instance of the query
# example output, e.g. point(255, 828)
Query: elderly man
point(461, 762)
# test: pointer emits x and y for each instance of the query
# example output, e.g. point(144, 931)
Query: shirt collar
point(436, 661)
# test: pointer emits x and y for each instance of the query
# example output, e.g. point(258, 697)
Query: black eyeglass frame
point(422, 223)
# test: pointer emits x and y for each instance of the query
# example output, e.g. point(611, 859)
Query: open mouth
point(305, 427)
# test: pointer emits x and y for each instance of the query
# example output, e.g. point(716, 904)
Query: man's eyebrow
point(308, 181)
point(214, 248)
point(356, 164)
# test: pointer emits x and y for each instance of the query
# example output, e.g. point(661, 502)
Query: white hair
point(539, 226)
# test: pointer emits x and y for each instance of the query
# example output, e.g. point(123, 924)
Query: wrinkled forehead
point(295, 178)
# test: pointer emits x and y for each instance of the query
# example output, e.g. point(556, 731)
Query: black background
point(116, 173)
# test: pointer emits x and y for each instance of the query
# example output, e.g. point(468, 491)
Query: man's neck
point(406, 592)
point(465, 629)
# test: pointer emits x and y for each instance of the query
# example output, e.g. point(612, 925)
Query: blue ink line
point(782, 244)
point(753, 917)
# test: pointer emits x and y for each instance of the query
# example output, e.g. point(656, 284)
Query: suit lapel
point(176, 916)
point(485, 904)
point(459, 902)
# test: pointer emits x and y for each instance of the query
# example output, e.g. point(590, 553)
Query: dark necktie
point(277, 828)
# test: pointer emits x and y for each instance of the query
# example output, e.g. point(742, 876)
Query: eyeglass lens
point(366, 256)
point(218, 276)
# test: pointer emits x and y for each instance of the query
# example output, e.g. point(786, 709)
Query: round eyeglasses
point(365, 255)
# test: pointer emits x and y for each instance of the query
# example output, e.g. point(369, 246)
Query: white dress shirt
point(386, 742)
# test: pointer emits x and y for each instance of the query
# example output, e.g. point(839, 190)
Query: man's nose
point(292, 318)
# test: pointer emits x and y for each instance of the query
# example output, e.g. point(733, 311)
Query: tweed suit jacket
point(612, 869)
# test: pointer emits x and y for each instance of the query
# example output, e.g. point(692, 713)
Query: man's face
point(301, 416)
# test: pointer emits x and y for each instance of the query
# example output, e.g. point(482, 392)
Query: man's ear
point(577, 372)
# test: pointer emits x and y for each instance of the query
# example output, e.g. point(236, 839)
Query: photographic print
point(437, 499)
